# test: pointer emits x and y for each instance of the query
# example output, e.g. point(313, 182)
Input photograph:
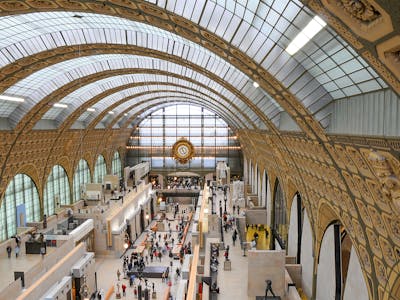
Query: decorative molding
point(382, 70)
point(390, 183)
point(389, 54)
point(361, 10)
point(365, 17)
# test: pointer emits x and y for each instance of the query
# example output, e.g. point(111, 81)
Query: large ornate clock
point(182, 151)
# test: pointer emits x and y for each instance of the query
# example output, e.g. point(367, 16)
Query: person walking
point(234, 238)
point(159, 255)
point(17, 251)
point(226, 255)
point(118, 294)
point(123, 289)
point(163, 277)
point(118, 274)
point(253, 244)
point(9, 250)
point(255, 235)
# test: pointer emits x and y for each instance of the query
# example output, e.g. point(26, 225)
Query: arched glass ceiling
point(261, 29)
point(40, 84)
point(164, 83)
point(168, 91)
point(128, 105)
point(123, 121)
point(27, 34)
point(143, 110)
point(157, 110)
point(140, 34)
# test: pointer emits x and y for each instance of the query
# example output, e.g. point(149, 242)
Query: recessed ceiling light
point(111, 112)
point(312, 28)
point(60, 105)
point(125, 114)
point(255, 84)
point(10, 98)
point(91, 109)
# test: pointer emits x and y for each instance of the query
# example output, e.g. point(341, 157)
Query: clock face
point(182, 151)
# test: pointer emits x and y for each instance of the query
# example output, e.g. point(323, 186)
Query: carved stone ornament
point(386, 176)
point(365, 17)
point(389, 54)
point(360, 9)
point(182, 150)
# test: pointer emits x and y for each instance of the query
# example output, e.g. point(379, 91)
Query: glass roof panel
point(89, 91)
point(232, 119)
point(7, 107)
point(170, 109)
point(62, 73)
point(164, 96)
point(31, 33)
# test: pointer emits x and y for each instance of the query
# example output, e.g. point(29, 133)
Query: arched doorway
point(295, 227)
point(279, 225)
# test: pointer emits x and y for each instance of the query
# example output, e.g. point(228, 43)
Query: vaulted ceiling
point(108, 62)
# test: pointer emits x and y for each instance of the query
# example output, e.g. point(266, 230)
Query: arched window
point(22, 195)
point(280, 226)
point(56, 191)
point(81, 176)
point(100, 169)
point(116, 165)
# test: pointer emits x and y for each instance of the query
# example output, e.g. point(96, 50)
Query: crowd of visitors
point(184, 182)
point(161, 248)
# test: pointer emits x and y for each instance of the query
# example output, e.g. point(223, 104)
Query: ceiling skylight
point(60, 105)
point(312, 28)
point(12, 99)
